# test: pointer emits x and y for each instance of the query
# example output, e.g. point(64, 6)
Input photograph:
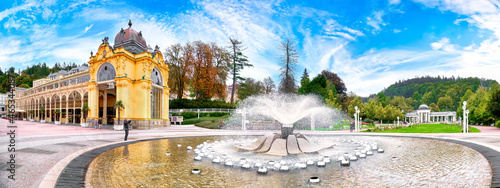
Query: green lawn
point(206, 122)
point(196, 120)
point(430, 128)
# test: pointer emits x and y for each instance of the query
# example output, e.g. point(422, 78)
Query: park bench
point(176, 119)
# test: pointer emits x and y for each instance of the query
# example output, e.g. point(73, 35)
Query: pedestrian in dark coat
point(99, 122)
point(126, 125)
point(352, 126)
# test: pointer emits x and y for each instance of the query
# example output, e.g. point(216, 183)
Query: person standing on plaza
point(352, 126)
point(126, 125)
point(99, 122)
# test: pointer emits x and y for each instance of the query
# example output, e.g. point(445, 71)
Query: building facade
point(3, 101)
point(423, 114)
point(128, 71)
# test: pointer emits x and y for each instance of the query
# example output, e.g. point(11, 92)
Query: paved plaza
point(43, 150)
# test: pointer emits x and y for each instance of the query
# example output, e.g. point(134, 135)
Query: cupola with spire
point(131, 40)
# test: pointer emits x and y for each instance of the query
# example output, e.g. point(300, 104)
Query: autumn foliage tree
point(180, 61)
point(209, 70)
point(199, 65)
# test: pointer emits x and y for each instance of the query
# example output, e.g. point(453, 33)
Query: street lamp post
point(360, 122)
point(355, 118)
point(198, 113)
point(357, 115)
point(398, 121)
point(467, 121)
point(465, 117)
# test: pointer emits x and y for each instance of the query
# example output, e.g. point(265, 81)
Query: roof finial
point(129, 23)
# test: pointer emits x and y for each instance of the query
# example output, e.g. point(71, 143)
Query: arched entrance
point(156, 94)
point(107, 92)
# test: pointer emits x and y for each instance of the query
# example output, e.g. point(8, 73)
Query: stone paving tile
point(36, 151)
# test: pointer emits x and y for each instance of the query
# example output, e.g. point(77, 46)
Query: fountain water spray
point(287, 110)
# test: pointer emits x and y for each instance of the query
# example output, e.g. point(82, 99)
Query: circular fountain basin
point(421, 163)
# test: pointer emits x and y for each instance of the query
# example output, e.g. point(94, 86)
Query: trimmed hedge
point(497, 124)
point(198, 103)
point(190, 115)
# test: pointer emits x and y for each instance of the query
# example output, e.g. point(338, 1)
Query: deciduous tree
point(288, 61)
point(269, 85)
point(250, 87)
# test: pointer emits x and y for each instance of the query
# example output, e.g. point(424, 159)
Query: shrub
point(217, 114)
point(368, 120)
point(198, 103)
point(189, 115)
point(497, 124)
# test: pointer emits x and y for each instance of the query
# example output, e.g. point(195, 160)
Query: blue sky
point(369, 44)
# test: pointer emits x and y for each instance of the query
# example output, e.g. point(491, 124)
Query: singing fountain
point(286, 109)
point(285, 155)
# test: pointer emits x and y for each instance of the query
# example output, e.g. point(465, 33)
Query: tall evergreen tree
point(240, 61)
point(304, 75)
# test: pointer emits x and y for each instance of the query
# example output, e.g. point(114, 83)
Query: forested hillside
point(428, 90)
point(440, 94)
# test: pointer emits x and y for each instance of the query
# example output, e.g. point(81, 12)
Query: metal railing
point(201, 110)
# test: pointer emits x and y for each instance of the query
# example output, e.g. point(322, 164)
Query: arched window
point(106, 72)
point(156, 77)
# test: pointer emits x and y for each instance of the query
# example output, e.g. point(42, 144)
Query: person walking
point(99, 122)
point(352, 126)
point(126, 125)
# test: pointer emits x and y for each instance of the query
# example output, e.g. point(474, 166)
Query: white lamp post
point(357, 115)
point(467, 121)
point(463, 108)
point(398, 121)
point(360, 122)
point(198, 113)
point(244, 114)
point(355, 118)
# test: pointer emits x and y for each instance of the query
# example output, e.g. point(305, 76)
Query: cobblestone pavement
point(40, 146)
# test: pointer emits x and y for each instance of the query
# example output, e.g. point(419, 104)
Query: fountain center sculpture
point(286, 109)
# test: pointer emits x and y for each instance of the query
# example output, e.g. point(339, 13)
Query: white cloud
point(394, 1)
point(87, 28)
point(443, 44)
point(376, 21)
point(397, 31)
point(463, 6)
point(333, 28)
point(16, 9)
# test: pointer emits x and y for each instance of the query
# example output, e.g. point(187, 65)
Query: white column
point(74, 108)
point(105, 108)
point(81, 112)
point(50, 110)
point(60, 110)
point(67, 105)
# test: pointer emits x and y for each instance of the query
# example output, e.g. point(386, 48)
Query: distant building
point(423, 114)
point(3, 101)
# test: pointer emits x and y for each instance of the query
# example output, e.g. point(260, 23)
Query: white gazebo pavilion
point(424, 114)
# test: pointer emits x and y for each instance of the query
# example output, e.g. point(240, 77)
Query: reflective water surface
point(407, 162)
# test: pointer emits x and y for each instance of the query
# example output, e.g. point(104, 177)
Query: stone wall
point(149, 124)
